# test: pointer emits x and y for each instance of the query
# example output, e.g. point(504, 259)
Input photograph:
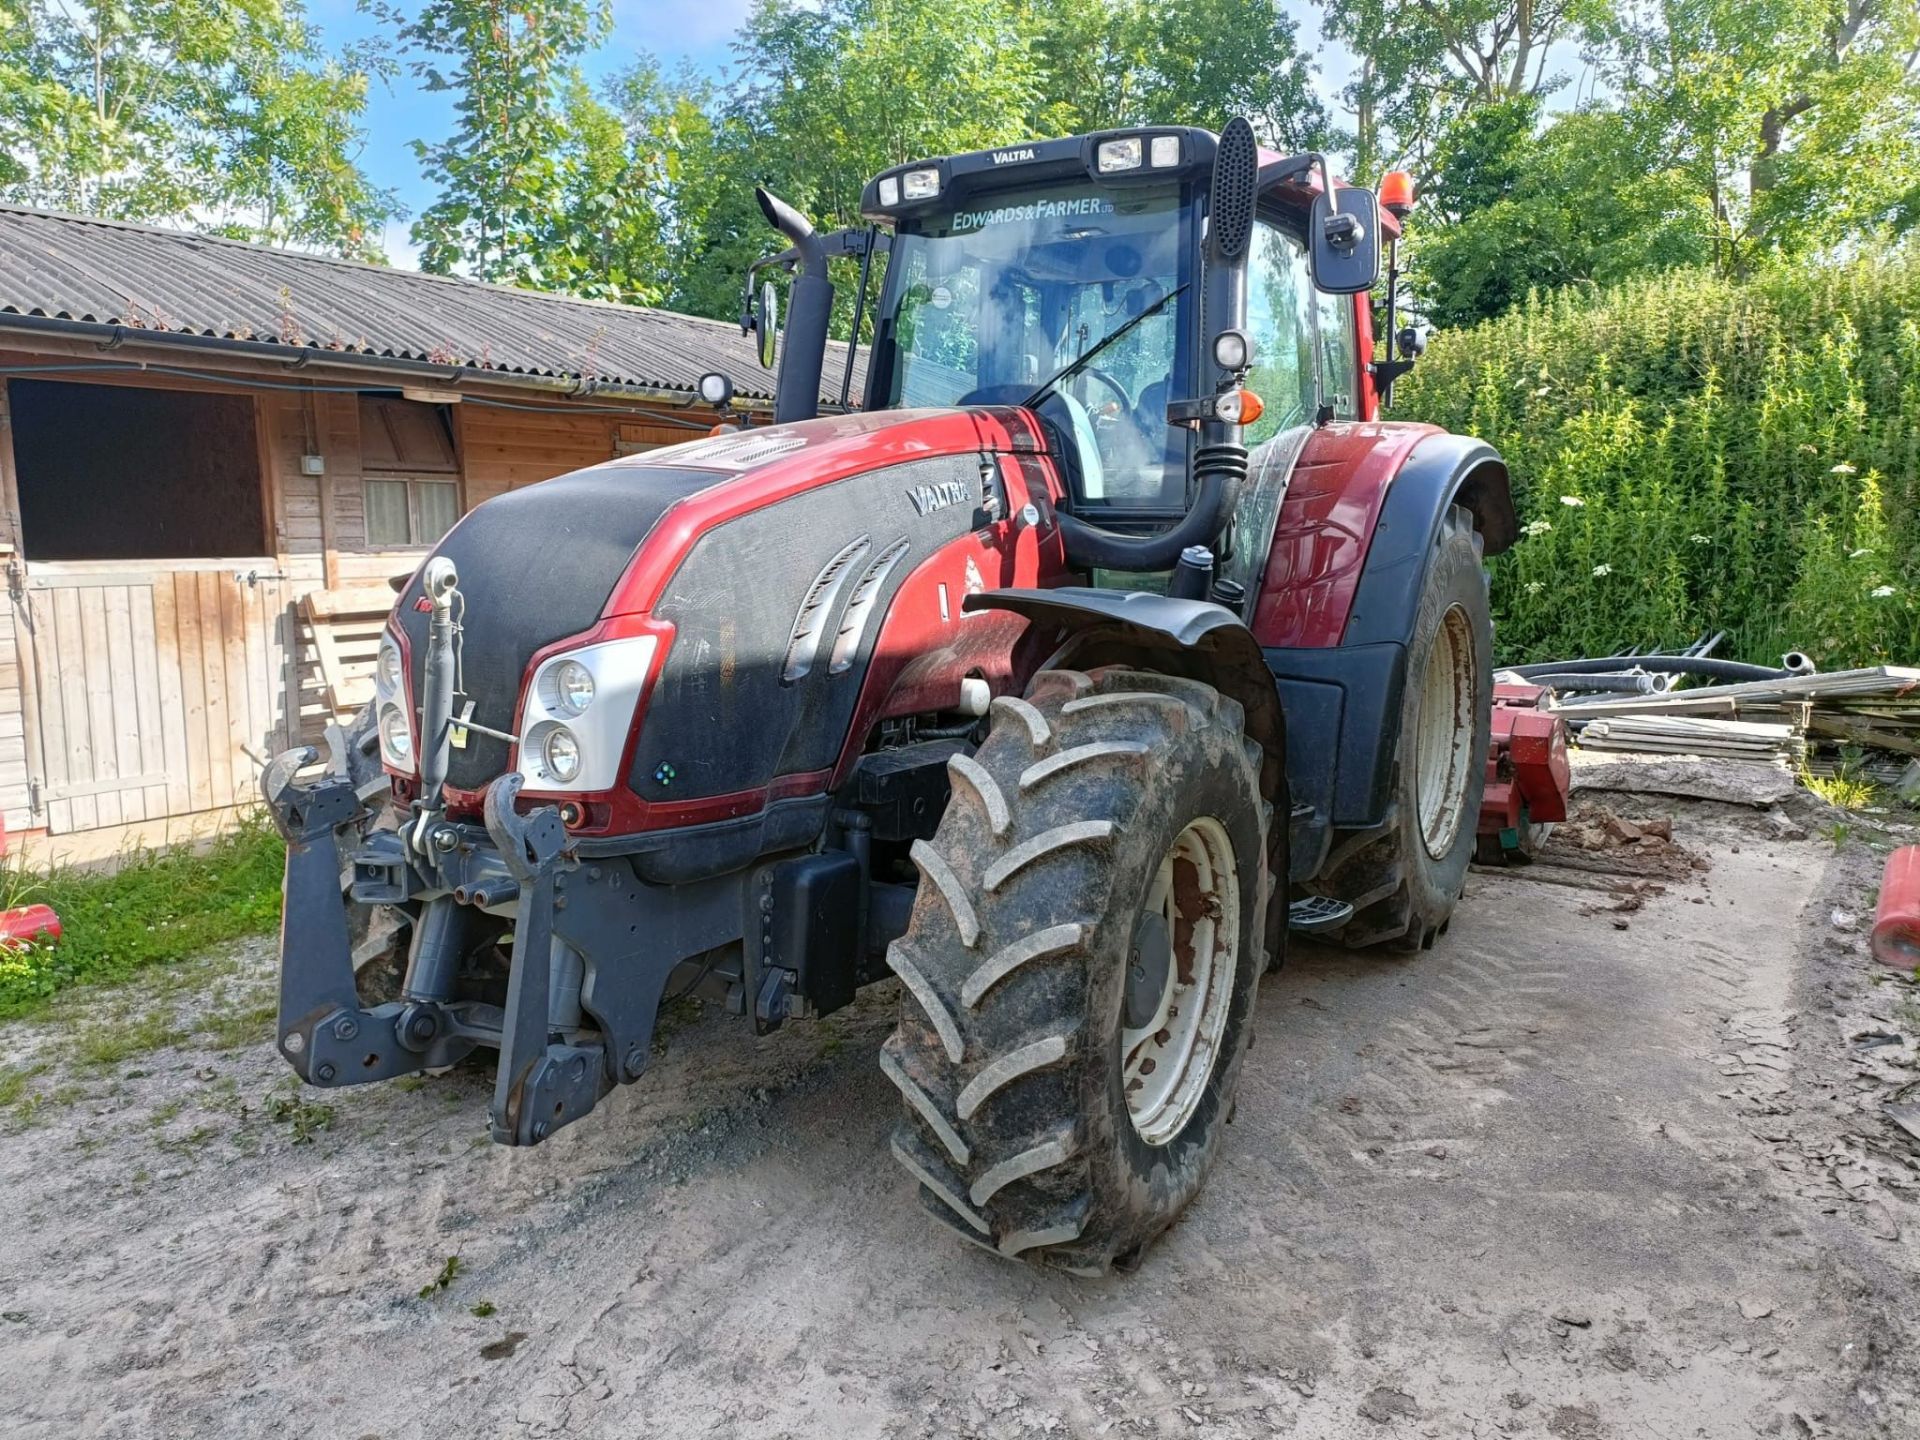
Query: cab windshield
point(990, 302)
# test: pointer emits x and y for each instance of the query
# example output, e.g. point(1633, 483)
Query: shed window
point(121, 472)
point(410, 512)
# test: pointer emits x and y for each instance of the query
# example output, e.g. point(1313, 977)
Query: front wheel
point(1081, 966)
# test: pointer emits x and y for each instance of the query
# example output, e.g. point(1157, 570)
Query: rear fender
point(1343, 695)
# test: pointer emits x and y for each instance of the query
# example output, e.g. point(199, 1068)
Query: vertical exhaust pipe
point(810, 306)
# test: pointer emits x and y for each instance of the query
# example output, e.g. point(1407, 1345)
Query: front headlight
point(560, 752)
point(577, 714)
point(396, 737)
point(572, 687)
point(387, 676)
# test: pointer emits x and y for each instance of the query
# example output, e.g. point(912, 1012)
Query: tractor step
point(1316, 913)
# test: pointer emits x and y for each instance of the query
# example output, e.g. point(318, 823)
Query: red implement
point(1896, 920)
point(1527, 774)
point(28, 925)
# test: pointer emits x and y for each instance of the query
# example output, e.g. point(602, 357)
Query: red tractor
point(1113, 614)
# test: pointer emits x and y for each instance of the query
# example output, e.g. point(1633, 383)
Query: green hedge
point(1690, 454)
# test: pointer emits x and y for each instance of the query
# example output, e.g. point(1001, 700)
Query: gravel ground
point(1609, 1161)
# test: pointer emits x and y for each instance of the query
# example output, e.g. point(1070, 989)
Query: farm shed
point(212, 457)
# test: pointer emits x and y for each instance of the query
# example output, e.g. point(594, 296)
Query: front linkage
point(563, 1046)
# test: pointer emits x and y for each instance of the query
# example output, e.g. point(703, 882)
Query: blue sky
point(699, 31)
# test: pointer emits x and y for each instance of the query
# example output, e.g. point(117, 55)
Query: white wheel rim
point(1443, 734)
point(1165, 1065)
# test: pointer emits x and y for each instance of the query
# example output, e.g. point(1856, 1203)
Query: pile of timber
point(1783, 720)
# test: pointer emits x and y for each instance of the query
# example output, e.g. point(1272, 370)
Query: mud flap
point(540, 1086)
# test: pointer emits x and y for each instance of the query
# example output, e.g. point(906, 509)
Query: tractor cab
point(1163, 300)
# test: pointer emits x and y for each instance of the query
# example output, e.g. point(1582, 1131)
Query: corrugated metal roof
point(71, 267)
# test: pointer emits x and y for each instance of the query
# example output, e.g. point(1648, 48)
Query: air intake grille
point(1235, 177)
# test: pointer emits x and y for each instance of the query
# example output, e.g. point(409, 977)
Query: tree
point(225, 114)
point(1518, 207)
point(1424, 63)
point(1795, 123)
point(512, 66)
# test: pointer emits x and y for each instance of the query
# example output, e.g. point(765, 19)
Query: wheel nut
point(324, 1074)
point(345, 1028)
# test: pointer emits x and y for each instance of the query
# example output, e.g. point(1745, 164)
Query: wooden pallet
point(342, 632)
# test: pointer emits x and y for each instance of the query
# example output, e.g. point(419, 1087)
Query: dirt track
point(1554, 1178)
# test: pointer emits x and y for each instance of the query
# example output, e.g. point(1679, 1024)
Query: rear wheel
point(1403, 878)
point(1081, 966)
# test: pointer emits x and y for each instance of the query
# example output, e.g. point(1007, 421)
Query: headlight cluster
point(390, 703)
point(1131, 152)
point(578, 711)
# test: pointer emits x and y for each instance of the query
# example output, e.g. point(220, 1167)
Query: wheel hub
point(1147, 969)
point(1443, 734)
point(1179, 984)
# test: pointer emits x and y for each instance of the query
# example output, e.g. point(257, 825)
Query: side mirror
point(766, 323)
point(1345, 237)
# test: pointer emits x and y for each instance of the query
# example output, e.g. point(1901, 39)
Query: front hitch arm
point(323, 1031)
point(541, 1084)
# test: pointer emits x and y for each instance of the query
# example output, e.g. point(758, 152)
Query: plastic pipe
point(1896, 920)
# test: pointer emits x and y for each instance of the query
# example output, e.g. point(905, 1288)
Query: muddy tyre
point(1081, 965)
point(1404, 878)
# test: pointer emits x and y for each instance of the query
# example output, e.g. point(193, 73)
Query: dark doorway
point(114, 472)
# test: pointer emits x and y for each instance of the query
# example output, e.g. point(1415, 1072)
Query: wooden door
point(157, 692)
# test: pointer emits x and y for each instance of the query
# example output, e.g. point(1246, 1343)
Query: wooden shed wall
point(180, 704)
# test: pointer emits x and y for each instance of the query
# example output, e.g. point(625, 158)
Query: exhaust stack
point(809, 304)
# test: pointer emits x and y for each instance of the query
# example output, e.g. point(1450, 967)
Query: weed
point(303, 1117)
point(1842, 791)
point(103, 1044)
point(449, 1268)
point(189, 1142)
point(483, 1310)
point(248, 1023)
point(165, 1112)
point(13, 1082)
point(407, 1084)
point(1838, 833)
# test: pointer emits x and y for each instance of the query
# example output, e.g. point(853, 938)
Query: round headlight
point(561, 754)
point(572, 687)
point(388, 666)
point(395, 738)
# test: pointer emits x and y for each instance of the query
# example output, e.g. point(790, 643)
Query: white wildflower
point(1543, 390)
point(1881, 592)
point(1602, 570)
point(1534, 587)
point(1859, 554)
point(1699, 539)
point(1536, 527)
point(1843, 468)
point(1573, 500)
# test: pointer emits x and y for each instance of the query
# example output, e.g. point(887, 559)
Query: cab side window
point(1280, 314)
point(1339, 356)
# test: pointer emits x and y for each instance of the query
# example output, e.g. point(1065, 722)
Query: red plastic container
point(1896, 920)
point(29, 925)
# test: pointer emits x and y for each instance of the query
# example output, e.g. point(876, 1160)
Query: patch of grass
point(156, 909)
point(1842, 791)
point(250, 1022)
point(186, 1144)
point(304, 1117)
point(104, 1043)
point(14, 1080)
point(482, 1311)
point(449, 1271)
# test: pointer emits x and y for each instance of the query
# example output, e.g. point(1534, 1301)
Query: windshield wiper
point(1072, 365)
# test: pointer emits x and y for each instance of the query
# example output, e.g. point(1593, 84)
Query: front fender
point(1192, 638)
